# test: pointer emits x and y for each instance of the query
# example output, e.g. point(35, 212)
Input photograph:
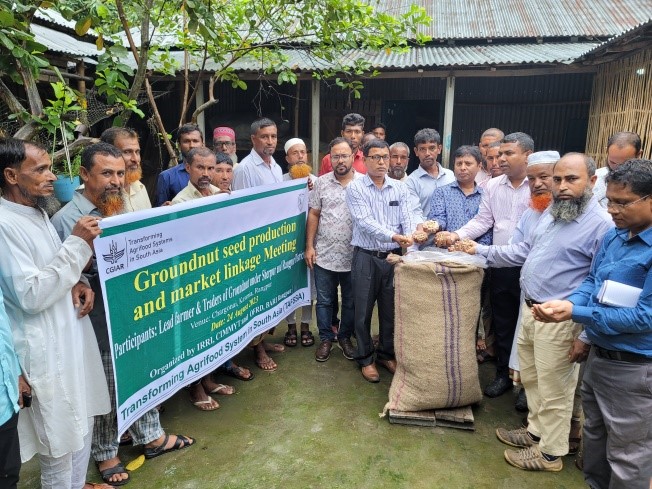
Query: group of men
point(539, 220)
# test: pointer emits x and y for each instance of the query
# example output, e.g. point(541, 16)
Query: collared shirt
point(64, 221)
point(452, 208)
point(557, 255)
point(57, 351)
point(253, 172)
point(9, 369)
point(525, 226)
point(171, 182)
point(421, 185)
point(501, 208)
point(358, 163)
point(335, 229)
point(379, 213)
point(600, 187)
point(191, 193)
point(627, 261)
point(482, 176)
point(137, 198)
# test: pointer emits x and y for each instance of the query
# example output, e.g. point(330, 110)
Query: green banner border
point(131, 226)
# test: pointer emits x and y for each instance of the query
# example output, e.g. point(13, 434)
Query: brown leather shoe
point(323, 352)
point(370, 373)
point(390, 365)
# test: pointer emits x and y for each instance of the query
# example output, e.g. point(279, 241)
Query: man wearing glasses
point(224, 142)
point(616, 388)
point(383, 223)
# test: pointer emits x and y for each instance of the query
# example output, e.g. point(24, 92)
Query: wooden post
point(199, 100)
point(314, 131)
point(448, 120)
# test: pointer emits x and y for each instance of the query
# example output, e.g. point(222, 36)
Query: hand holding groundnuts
point(444, 239)
point(420, 237)
point(403, 241)
point(430, 227)
point(464, 245)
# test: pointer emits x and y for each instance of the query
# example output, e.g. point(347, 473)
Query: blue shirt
point(171, 182)
point(421, 185)
point(627, 261)
point(9, 368)
point(452, 209)
point(557, 255)
point(379, 213)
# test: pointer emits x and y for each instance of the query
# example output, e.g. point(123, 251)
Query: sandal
point(222, 389)
point(574, 445)
point(238, 372)
point(209, 404)
point(290, 338)
point(266, 364)
point(118, 468)
point(307, 339)
point(179, 444)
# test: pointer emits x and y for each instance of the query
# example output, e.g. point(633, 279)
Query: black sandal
point(106, 474)
point(290, 338)
point(179, 444)
point(307, 339)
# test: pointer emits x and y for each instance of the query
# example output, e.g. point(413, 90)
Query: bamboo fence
point(621, 101)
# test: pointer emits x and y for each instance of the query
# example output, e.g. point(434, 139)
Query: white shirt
point(57, 351)
point(137, 198)
point(600, 188)
point(253, 171)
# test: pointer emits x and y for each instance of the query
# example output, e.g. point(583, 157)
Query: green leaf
point(82, 26)
point(6, 18)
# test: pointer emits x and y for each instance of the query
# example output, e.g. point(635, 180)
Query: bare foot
point(106, 465)
point(263, 360)
point(91, 485)
point(201, 400)
point(172, 439)
point(273, 347)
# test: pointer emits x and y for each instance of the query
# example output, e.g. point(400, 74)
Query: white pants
point(68, 471)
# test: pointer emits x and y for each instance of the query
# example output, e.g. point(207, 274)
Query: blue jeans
point(326, 283)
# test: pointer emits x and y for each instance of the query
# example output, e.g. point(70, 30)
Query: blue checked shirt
point(9, 369)
point(379, 213)
point(452, 209)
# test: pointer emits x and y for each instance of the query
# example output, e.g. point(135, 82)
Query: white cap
point(543, 157)
point(292, 142)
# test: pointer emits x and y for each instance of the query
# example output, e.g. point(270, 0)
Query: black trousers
point(505, 304)
point(9, 454)
point(372, 280)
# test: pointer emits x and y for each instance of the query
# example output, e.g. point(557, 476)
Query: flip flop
point(273, 347)
point(94, 485)
point(268, 361)
point(222, 389)
point(210, 402)
point(238, 373)
point(116, 469)
point(179, 444)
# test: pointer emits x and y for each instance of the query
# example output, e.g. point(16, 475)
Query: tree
point(324, 33)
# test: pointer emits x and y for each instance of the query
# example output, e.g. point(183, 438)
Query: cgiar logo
point(113, 256)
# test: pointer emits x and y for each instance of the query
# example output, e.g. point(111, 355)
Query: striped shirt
point(379, 213)
point(501, 208)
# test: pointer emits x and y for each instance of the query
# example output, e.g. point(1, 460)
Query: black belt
point(380, 254)
point(531, 302)
point(623, 356)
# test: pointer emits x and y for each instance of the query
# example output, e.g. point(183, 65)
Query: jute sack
point(437, 307)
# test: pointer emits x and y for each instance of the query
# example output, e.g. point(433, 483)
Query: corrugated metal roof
point(49, 15)
point(636, 30)
point(471, 19)
point(422, 57)
point(63, 43)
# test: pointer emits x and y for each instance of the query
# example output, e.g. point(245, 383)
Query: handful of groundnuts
point(428, 228)
point(464, 245)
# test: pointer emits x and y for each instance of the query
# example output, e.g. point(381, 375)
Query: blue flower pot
point(64, 188)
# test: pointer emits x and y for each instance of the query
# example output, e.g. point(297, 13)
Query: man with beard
point(174, 180)
point(399, 157)
point(46, 303)
point(430, 175)
point(103, 173)
point(259, 168)
point(556, 258)
point(353, 130)
point(621, 146)
point(329, 251)
point(616, 393)
point(296, 158)
point(126, 140)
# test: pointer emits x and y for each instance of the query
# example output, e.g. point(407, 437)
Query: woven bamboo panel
point(621, 101)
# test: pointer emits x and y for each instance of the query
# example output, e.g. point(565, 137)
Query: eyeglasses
point(620, 207)
point(377, 158)
point(224, 143)
point(340, 157)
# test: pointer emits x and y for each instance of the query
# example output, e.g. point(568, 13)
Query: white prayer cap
point(292, 142)
point(543, 157)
